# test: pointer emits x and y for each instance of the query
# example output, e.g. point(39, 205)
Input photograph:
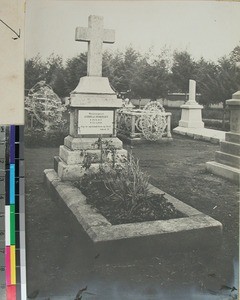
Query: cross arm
point(109, 36)
point(83, 34)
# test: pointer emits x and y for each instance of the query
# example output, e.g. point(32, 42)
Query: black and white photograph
point(132, 149)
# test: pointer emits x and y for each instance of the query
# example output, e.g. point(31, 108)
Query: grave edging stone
point(100, 230)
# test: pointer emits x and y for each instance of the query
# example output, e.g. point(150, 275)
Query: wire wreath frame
point(153, 121)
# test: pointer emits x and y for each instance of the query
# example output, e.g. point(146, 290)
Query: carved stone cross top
point(95, 35)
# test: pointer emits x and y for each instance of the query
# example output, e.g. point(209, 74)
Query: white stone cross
point(95, 35)
point(192, 91)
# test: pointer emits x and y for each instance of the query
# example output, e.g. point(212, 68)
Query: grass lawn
point(61, 259)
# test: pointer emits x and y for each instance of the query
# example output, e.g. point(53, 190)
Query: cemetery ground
point(61, 259)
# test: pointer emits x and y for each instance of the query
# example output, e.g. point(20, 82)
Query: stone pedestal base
point(89, 143)
point(69, 163)
point(191, 116)
point(227, 160)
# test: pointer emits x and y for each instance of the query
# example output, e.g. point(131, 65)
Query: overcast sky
point(205, 28)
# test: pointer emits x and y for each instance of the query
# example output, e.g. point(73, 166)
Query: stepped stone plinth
point(227, 160)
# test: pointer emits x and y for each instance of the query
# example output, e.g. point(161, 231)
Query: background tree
point(113, 68)
point(76, 67)
point(120, 68)
point(235, 55)
point(146, 75)
point(218, 82)
point(51, 71)
point(206, 71)
point(183, 69)
point(235, 60)
point(150, 80)
point(35, 71)
point(131, 62)
point(55, 75)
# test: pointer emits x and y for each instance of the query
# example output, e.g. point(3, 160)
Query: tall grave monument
point(227, 160)
point(93, 106)
point(191, 111)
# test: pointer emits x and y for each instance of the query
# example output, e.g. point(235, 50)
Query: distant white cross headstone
point(95, 35)
point(192, 91)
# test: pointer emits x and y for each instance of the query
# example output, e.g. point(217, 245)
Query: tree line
point(143, 75)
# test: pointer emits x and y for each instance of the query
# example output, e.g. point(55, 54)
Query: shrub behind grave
point(41, 138)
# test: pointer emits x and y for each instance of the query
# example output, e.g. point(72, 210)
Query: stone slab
point(227, 159)
point(96, 101)
point(204, 134)
point(151, 228)
point(192, 124)
point(224, 171)
point(236, 101)
point(232, 137)
point(73, 172)
point(230, 148)
point(94, 85)
point(142, 140)
point(56, 161)
point(72, 157)
point(191, 105)
point(89, 143)
point(92, 122)
point(94, 91)
point(235, 96)
point(192, 231)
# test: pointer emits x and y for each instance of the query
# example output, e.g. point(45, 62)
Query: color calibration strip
point(2, 212)
point(15, 253)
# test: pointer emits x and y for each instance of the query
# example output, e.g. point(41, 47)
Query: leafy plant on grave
point(121, 193)
point(88, 159)
point(127, 184)
point(108, 151)
point(107, 154)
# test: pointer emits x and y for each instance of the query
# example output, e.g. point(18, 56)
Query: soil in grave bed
point(118, 211)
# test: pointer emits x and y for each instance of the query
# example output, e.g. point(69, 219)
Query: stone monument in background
point(191, 116)
point(93, 106)
point(227, 160)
